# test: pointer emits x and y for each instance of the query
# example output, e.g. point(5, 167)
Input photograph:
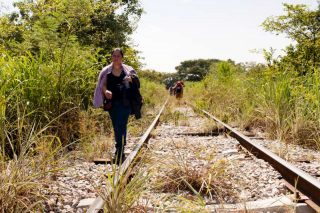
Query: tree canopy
point(302, 25)
point(195, 70)
point(46, 25)
point(51, 52)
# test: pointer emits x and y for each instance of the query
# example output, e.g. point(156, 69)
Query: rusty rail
point(303, 182)
point(99, 202)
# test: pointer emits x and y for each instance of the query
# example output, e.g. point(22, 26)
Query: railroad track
point(99, 202)
point(305, 187)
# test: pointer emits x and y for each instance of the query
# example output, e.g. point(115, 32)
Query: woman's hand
point(108, 94)
point(127, 78)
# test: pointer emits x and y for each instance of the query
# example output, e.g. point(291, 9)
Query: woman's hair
point(117, 49)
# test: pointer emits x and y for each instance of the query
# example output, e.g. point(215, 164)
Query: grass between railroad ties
point(122, 195)
point(192, 183)
point(183, 175)
point(176, 117)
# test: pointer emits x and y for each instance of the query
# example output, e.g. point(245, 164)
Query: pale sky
point(172, 31)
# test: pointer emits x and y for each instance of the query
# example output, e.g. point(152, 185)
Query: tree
point(47, 24)
point(195, 70)
point(54, 50)
point(303, 26)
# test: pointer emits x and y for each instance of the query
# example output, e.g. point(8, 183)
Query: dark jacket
point(133, 97)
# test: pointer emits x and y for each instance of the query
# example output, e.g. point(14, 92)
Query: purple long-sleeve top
point(102, 79)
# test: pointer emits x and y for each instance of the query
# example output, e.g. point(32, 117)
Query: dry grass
point(174, 116)
point(24, 179)
point(211, 126)
point(198, 175)
point(100, 147)
point(306, 134)
point(96, 135)
point(208, 180)
point(94, 122)
point(282, 150)
point(28, 163)
point(20, 187)
point(190, 204)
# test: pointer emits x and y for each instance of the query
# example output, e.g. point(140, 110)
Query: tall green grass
point(46, 88)
point(274, 99)
point(154, 94)
point(40, 102)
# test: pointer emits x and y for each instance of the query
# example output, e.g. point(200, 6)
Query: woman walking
point(112, 88)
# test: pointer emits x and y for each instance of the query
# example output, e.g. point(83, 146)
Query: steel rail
point(99, 202)
point(304, 182)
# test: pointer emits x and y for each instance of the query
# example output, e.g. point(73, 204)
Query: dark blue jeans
point(119, 114)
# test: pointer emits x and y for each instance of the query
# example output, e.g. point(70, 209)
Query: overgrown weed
point(122, 191)
point(172, 115)
point(24, 178)
point(182, 174)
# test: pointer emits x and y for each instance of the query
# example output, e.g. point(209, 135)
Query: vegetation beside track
point(281, 97)
point(51, 55)
point(52, 52)
point(283, 105)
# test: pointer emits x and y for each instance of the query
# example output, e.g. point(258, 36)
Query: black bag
point(107, 104)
